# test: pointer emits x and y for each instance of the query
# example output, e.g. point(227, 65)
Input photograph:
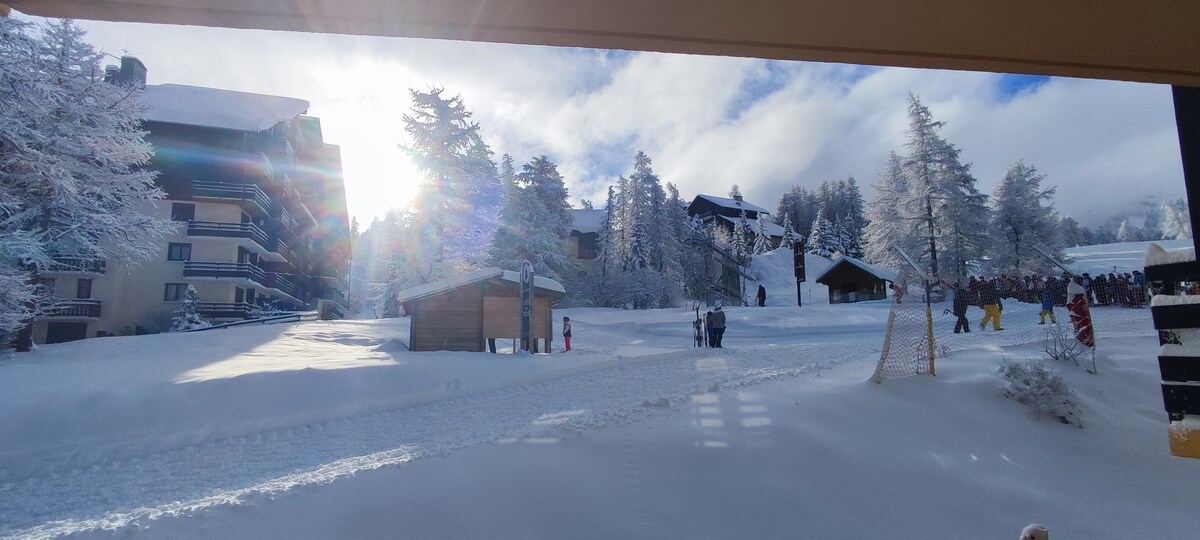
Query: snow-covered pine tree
point(762, 241)
point(890, 227)
point(789, 234)
point(186, 317)
point(740, 250)
point(1176, 222)
point(73, 177)
point(942, 193)
point(855, 220)
point(735, 191)
point(821, 241)
point(1127, 232)
point(1023, 218)
point(841, 236)
point(457, 208)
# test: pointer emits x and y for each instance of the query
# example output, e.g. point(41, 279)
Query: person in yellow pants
point(1048, 301)
point(989, 298)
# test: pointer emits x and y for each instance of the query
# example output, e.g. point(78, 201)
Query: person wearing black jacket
point(989, 298)
point(962, 299)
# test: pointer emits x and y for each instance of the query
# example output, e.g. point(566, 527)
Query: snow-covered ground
point(333, 430)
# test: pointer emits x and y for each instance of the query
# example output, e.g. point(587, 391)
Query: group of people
point(1114, 288)
point(1050, 291)
point(710, 328)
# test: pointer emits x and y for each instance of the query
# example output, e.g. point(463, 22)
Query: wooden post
point(1187, 123)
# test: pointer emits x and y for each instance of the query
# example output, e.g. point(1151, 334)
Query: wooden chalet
point(851, 280)
point(463, 313)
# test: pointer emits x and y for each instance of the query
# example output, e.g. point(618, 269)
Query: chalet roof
point(881, 274)
point(540, 284)
point(216, 108)
point(768, 225)
point(732, 204)
point(586, 221)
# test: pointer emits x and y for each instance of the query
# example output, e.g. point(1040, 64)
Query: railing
point(224, 270)
point(85, 266)
point(227, 230)
point(295, 316)
point(75, 307)
point(224, 310)
point(335, 296)
point(224, 190)
point(281, 283)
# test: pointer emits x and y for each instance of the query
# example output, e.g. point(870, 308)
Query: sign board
point(526, 305)
point(798, 260)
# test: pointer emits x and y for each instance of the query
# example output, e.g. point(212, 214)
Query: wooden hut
point(852, 280)
point(464, 312)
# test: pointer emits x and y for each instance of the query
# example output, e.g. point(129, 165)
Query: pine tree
point(942, 194)
point(73, 175)
point(740, 250)
point(822, 240)
point(186, 317)
point(789, 235)
point(534, 220)
point(457, 209)
point(890, 226)
point(1127, 232)
point(762, 241)
point(1176, 222)
point(1023, 219)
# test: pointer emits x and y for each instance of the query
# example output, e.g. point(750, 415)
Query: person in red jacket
point(567, 332)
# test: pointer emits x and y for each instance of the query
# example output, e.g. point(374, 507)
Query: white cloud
point(707, 122)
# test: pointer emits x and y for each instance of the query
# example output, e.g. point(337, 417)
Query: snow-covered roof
point(881, 274)
point(483, 274)
point(216, 108)
point(730, 203)
point(586, 221)
point(768, 225)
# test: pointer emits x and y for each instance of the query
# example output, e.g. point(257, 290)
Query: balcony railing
point(224, 310)
point(224, 270)
point(249, 193)
point(75, 307)
point(283, 284)
point(329, 294)
point(84, 266)
point(228, 230)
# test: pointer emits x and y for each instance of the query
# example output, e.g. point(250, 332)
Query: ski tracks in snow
point(122, 494)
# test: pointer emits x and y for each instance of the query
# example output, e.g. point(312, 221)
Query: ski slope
point(332, 429)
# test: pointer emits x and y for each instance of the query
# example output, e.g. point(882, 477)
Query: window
point(83, 288)
point(174, 292)
point(183, 212)
point(239, 295)
point(179, 252)
point(250, 296)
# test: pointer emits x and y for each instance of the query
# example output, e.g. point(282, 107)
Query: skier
point(718, 324)
point(989, 298)
point(962, 299)
point(1048, 302)
point(762, 296)
point(566, 329)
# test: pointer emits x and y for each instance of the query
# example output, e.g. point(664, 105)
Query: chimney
point(738, 199)
point(111, 73)
point(132, 72)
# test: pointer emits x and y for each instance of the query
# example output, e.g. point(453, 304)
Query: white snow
point(213, 107)
point(329, 430)
point(1156, 255)
point(733, 204)
point(866, 267)
point(1121, 257)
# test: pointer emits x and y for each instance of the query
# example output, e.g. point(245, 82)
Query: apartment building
point(260, 206)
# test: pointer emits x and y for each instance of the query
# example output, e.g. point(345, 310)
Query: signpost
point(526, 305)
point(798, 265)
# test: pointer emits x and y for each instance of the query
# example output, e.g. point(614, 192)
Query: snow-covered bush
point(1037, 386)
point(268, 309)
point(186, 317)
point(1060, 344)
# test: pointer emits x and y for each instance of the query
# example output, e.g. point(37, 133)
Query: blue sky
point(706, 122)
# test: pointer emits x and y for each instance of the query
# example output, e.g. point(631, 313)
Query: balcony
point(251, 197)
point(335, 296)
point(76, 266)
point(283, 284)
point(75, 307)
point(245, 271)
point(222, 229)
point(224, 310)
